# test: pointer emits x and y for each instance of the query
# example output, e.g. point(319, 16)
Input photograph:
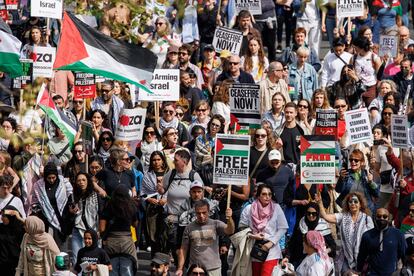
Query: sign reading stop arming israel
point(231, 159)
point(245, 103)
point(227, 39)
point(131, 124)
point(47, 8)
point(317, 159)
point(165, 86)
point(399, 131)
point(349, 8)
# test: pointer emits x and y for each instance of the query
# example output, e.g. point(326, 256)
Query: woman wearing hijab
point(311, 221)
point(38, 250)
point(91, 254)
point(268, 224)
point(11, 235)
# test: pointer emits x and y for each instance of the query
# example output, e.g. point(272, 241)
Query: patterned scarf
point(261, 215)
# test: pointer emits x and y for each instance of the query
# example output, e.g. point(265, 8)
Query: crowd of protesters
point(67, 209)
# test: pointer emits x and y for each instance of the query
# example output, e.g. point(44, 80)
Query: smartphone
point(378, 142)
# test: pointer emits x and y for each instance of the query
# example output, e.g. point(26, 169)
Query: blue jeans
point(121, 266)
point(330, 24)
point(77, 243)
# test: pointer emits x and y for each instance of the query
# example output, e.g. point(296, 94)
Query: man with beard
point(189, 96)
point(109, 103)
point(381, 247)
point(160, 265)
point(184, 55)
point(405, 77)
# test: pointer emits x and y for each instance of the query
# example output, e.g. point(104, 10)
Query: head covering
point(62, 261)
point(94, 236)
point(161, 258)
point(35, 229)
point(316, 240)
point(172, 49)
point(208, 47)
point(49, 169)
point(312, 224)
point(225, 54)
point(274, 155)
point(197, 184)
point(261, 215)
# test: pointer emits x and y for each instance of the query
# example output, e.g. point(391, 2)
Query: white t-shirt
point(16, 202)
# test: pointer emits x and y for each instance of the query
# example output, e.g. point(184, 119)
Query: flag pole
point(157, 114)
point(84, 141)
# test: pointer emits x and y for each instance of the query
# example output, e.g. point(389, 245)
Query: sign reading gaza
point(227, 39)
point(231, 159)
point(244, 104)
point(349, 8)
point(131, 124)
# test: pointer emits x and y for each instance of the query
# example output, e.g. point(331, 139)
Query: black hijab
point(312, 224)
point(94, 236)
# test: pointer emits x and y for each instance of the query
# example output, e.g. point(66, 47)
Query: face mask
point(381, 223)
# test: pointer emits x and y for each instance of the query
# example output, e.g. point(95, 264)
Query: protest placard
point(22, 81)
point(349, 8)
point(227, 39)
point(43, 59)
point(326, 122)
point(231, 159)
point(85, 86)
point(358, 126)
point(3, 11)
point(244, 105)
point(253, 6)
point(131, 124)
point(87, 136)
point(165, 86)
point(399, 131)
point(317, 159)
point(47, 8)
point(12, 4)
point(388, 45)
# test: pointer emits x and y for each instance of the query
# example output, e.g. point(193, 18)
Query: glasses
point(411, 211)
point(215, 125)
point(312, 214)
point(106, 139)
point(155, 265)
point(172, 133)
point(340, 106)
point(354, 160)
point(201, 110)
point(303, 106)
point(78, 102)
point(198, 273)
point(266, 194)
point(382, 216)
point(126, 159)
point(105, 91)
point(353, 201)
point(179, 114)
point(182, 53)
point(159, 23)
point(260, 135)
point(150, 132)
point(233, 63)
point(285, 68)
point(171, 112)
point(387, 113)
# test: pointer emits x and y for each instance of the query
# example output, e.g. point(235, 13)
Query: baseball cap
point(172, 49)
point(161, 258)
point(209, 47)
point(195, 184)
point(275, 155)
point(225, 54)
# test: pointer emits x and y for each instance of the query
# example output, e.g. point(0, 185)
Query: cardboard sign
point(131, 124)
point(231, 159)
point(227, 39)
point(358, 126)
point(245, 105)
point(85, 86)
point(22, 81)
point(317, 159)
point(349, 8)
point(12, 4)
point(165, 86)
point(388, 45)
point(43, 59)
point(47, 8)
point(253, 6)
point(399, 131)
point(326, 122)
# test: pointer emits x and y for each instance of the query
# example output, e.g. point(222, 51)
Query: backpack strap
point(191, 175)
point(171, 179)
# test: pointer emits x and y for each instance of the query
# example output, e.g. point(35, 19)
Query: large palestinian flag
point(84, 49)
point(9, 52)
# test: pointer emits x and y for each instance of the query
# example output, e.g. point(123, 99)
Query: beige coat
point(268, 89)
point(242, 265)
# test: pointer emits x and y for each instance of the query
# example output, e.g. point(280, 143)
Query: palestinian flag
point(232, 145)
point(9, 52)
point(44, 100)
point(84, 49)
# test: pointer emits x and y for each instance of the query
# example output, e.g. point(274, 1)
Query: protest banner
point(3, 11)
point(253, 6)
point(43, 59)
point(131, 124)
point(12, 4)
point(399, 131)
point(244, 105)
point(22, 81)
point(358, 126)
point(349, 8)
point(388, 45)
point(47, 8)
point(317, 159)
point(326, 122)
point(85, 86)
point(165, 86)
point(227, 39)
point(231, 159)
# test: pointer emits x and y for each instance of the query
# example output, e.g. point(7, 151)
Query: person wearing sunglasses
point(197, 270)
point(169, 120)
point(105, 142)
point(386, 115)
point(353, 222)
point(381, 247)
point(150, 142)
point(262, 145)
point(171, 60)
point(234, 72)
point(77, 109)
point(304, 118)
point(184, 55)
point(77, 163)
point(309, 222)
point(202, 115)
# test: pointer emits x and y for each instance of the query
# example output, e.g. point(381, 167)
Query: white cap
point(275, 155)
point(196, 183)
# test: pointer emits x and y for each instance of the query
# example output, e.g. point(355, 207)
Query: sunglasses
point(354, 160)
point(155, 265)
point(198, 273)
point(285, 68)
point(233, 63)
point(78, 102)
point(303, 106)
point(106, 139)
point(159, 23)
point(171, 112)
point(173, 53)
point(340, 106)
point(201, 110)
point(150, 132)
point(387, 113)
point(382, 216)
point(182, 54)
point(126, 159)
point(215, 125)
point(179, 114)
point(260, 135)
point(353, 201)
point(312, 214)
point(411, 211)
point(105, 91)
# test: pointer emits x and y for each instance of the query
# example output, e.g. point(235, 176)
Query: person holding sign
point(36, 38)
point(268, 224)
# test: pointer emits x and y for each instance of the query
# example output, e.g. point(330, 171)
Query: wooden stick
point(228, 196)
point(157, 114)
point(349, 25)
point(84, 144)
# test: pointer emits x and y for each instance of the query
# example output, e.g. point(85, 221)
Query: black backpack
point(174, 173)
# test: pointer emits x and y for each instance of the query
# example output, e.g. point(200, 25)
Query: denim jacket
point(308, 80)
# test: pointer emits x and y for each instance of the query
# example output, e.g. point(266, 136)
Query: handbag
point(257, 252)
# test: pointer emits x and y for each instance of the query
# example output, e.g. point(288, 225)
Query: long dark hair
point(164, 161)
point(190, 270)
point(107, 132)
point(77, 192)
point(121, 204)
point(263, 186)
